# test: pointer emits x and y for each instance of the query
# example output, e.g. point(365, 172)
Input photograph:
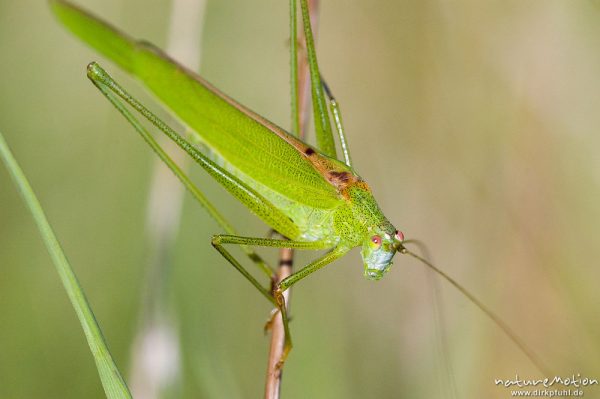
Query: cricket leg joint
point(96, 74)
point(278, 295)
point(216, 240)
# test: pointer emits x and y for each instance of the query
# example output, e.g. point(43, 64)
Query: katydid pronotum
point(303, 192)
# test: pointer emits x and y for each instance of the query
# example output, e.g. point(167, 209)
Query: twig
point(273, 384)
point(286, 255)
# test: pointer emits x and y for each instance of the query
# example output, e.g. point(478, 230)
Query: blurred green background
point(476, 124)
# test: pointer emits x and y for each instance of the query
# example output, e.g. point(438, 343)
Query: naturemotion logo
point(557, 386)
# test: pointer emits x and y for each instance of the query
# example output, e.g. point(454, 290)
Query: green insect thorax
point(360, 217)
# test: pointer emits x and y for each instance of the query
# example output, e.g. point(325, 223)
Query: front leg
point(286, 283)
point(219, 240)
point(276, 296)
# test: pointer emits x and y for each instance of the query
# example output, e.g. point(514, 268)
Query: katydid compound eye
point(399, 236)
point(376, 240)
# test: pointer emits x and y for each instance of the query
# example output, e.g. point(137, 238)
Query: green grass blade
point(112, 381)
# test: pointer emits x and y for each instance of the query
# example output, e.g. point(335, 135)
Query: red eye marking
point(376, 240)
point(399, 235)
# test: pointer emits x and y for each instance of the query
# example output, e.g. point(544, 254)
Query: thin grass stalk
point(286, 255)
point(112, 380)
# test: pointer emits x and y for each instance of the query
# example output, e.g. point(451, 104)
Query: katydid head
point(378, 250)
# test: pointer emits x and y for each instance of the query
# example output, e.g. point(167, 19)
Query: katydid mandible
point(303, 192)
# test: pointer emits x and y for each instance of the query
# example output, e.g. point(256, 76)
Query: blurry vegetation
point(474, 122)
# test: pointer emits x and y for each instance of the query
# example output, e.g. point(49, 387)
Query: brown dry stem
point(286, 255)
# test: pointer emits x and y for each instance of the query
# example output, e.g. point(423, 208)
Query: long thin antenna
point(440, 320)
point(494, 317)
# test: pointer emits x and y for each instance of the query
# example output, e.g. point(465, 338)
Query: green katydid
point(303, 192)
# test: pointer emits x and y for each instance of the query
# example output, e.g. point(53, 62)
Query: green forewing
point(252, 145)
